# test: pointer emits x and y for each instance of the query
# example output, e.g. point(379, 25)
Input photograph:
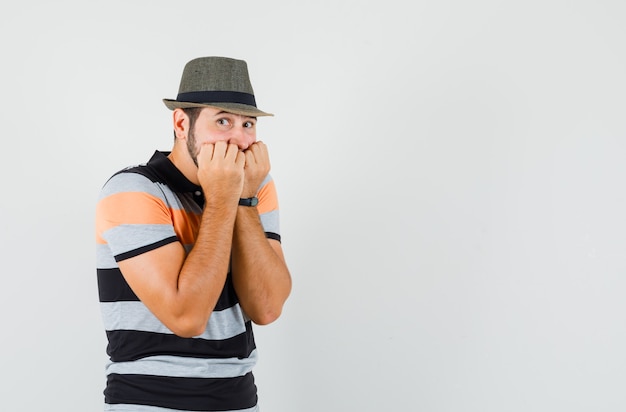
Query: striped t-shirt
point(142, 208)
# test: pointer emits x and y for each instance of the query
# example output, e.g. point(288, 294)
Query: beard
point(191, 147)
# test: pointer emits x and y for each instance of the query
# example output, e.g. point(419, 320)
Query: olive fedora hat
point(219, 82)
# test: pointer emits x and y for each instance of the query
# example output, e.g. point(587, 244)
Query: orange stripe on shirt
point(137, 208)
point(132, 208)
point(186, 226)
point(268, 200)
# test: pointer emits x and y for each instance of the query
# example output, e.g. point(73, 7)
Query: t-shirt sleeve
point(132, 216)
point(268, 208)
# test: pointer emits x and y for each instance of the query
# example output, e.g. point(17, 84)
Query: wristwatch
point(249, 201)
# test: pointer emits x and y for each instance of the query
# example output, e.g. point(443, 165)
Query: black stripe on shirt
point(144, 249)
point(193, 394)
point(112, 287)
point(272, 235)
point(129, 345)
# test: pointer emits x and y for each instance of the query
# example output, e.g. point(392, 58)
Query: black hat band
point(209, 97)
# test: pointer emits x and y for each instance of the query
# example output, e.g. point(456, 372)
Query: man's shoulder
point(143, 169)
point(137, 178)
point(149, 170)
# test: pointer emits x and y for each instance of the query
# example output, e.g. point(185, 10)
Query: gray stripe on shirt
point(136, 316)
point(124, 238)
point(183, 367)
point(270, 222)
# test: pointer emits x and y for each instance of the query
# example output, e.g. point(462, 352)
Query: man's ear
point(181, 124)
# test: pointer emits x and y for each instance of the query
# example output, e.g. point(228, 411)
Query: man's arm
point(260, 275)
point(182, 290)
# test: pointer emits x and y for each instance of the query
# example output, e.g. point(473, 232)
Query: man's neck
point(183, 162)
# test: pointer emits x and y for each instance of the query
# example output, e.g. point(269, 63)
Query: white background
point(451, 180)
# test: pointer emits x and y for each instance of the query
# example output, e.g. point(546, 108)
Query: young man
point(189, 254)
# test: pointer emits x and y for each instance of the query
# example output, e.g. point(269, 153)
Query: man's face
point(214, 125)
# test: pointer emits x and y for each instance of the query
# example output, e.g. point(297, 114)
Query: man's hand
point(221, 171)
point(256, 168)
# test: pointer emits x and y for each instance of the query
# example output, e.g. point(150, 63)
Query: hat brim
point(236, 108)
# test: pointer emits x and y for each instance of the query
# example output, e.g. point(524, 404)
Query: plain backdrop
point(451, 182)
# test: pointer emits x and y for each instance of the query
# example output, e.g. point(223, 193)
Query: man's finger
point(219, 150)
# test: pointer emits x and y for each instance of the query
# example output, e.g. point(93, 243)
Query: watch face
point(252, 201)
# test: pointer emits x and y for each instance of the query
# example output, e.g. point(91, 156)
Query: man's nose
point(238, 136)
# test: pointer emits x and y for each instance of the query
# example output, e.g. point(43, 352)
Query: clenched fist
point(221, 170)
point(257, 167)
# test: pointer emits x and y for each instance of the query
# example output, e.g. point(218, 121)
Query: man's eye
point(248, 124)
point(223, 122)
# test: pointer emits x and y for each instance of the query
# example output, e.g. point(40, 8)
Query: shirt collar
point(173, 177)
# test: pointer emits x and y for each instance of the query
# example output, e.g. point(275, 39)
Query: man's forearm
point(203, 274)
point(260, 275)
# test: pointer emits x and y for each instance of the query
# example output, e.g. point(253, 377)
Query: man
point(189, 254)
